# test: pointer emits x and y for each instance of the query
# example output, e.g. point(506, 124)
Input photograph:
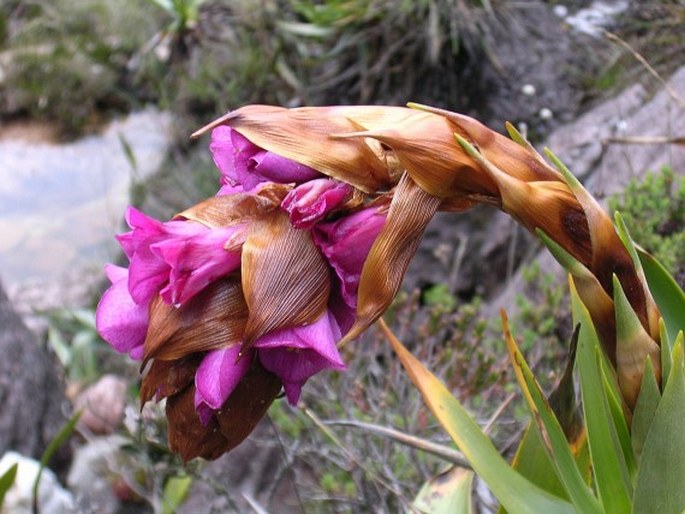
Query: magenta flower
point(346, 243)
point(197, 260)
point(243, 163)
point(179, 258)
point(119, 320)
point(295, 354)
point(311, 201)
point(217, 377)
point(241, 296)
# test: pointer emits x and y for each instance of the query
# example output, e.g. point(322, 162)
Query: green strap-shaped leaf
point(532, 459)
point(556, 444)
point(62, 436)
point(610, 471)
point(447, 493)
point(667, 294)
point(666, 349)
point(647, 402)
point(660, 485)
point(533, 462)
point(517, 494)
point(618, 416)
point(6, 481)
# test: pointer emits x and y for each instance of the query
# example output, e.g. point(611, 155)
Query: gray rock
point(31, 394)
point(91, 475)
point(608, 167)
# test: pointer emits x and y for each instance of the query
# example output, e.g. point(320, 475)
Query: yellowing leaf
point(515, 493)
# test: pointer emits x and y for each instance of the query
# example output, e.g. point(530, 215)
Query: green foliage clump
point(67, 60)
point(654, 212)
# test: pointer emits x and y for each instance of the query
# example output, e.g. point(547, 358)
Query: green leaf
point(533, 462)
point(609, 466)
point(532, 459)
point(667, 294)
point(666, 349)
point(54, 445)
point(175, 492)
point(659, 486)
point(6, 481)
point(633, 346)
point(519, 138)
point(618, 417)
point(514, 492)
point(555, 440)
point(447, 493)
point(646, 406)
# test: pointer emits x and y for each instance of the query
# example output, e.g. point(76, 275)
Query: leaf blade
point(516, 493)
point(610, 470)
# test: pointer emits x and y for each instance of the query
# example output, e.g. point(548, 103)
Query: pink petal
point(218, 375)
point(231, 152)
point(119, 320)
point(295, 354)
point(346, 243)
point(196, 261)
point(147, 274)
point(244, 164)
point(309, 202)
point(275, 168)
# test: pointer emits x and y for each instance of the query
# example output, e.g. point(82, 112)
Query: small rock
point(545, 114)
point(91, 477)
point(528, 89)
point(560, 10)
point(103, 404)
point(52, 497)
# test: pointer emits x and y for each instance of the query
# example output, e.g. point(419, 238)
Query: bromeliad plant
point(305, 246)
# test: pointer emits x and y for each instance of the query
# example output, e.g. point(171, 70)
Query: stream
point(61, 203)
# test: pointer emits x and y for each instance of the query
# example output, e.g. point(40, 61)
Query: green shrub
point(654, 209)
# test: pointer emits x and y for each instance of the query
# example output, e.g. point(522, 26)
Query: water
point(60, 204)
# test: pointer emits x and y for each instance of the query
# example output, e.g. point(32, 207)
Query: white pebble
point(545, 113)
point(561, 11)
point(528, 89)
